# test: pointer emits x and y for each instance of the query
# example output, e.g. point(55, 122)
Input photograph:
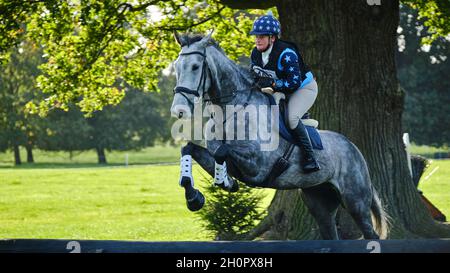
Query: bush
point(229, 216)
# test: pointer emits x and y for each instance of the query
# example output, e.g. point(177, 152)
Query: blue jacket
point(285, 65)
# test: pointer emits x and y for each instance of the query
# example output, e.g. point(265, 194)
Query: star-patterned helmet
point(266, 25)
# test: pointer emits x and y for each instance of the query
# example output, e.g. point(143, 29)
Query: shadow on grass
point(8, 165)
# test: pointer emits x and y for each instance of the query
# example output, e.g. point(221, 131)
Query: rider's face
point(262, 42)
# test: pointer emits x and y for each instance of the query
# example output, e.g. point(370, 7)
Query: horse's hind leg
point(323, 202)
point(360, 212)
point(358, 201)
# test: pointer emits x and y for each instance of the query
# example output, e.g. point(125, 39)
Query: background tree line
point(138, 121)
point(423, 72)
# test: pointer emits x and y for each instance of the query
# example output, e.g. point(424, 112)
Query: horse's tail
point(379, 215)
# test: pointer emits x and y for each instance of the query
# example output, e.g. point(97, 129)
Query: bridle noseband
point(183, 90)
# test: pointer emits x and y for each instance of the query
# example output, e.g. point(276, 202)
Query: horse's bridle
point(216, 100)
point(205, 69)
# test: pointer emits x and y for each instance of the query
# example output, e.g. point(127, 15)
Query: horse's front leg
point(195, 199)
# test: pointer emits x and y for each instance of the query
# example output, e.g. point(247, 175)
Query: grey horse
point(206, 76)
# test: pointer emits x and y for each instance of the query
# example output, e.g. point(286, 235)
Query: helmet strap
point(270, 43)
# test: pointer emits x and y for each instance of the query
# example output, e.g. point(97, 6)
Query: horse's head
point(192, 73)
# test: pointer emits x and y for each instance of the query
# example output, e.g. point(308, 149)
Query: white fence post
point(408, 154)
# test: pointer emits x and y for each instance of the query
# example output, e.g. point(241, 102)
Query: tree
point(17, 80)
point(133, 124)
point(3, 143)
point(423, 73)
point(65, 131)
point(94, 48)
point(230, 216)
point(350, 46)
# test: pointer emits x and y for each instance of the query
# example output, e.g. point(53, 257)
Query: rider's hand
point(265, 82)
point(267, 90)
point(257, 70)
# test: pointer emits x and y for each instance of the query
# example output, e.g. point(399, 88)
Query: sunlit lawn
point(435, 184)
point(135, 203)
point(59, 198)
point(116, 203)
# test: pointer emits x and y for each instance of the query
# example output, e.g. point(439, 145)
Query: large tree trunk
point(17, 160)
point(101, 155)
point(350, 47)
point(30, 158)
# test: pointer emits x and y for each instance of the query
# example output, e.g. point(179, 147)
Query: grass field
point(435, 184)
point(59, 198)
point(120, 203)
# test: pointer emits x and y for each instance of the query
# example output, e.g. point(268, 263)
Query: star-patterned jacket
point(285, 65)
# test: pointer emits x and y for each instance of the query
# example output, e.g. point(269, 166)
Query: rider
point(281, 69)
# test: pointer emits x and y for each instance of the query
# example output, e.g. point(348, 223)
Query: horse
point(204, 74)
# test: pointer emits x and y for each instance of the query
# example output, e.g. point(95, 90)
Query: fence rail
point(317, 246)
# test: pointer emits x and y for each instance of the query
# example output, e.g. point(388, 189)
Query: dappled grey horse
point(206, 76)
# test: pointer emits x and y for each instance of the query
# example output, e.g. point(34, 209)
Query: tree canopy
point(94, 48)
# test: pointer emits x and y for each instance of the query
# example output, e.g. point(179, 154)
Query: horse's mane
point(188, 39)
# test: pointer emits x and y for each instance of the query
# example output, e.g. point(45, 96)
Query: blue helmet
point(266, 25)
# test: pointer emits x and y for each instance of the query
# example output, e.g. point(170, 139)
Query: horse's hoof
point(197, 202)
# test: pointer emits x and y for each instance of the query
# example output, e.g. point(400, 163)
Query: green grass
point(436, 186)
point(135, 203)
point(111, 203)
point(59, 198)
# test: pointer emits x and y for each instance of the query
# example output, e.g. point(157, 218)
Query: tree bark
point(350, 46)
point(17, 160)
point(101, 155)
point(30, 158)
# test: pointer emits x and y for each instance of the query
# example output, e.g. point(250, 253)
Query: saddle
point(285, 132)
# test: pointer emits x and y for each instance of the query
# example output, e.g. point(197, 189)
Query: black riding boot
point(309, 163)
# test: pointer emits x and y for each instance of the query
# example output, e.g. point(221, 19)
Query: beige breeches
point(300, 102)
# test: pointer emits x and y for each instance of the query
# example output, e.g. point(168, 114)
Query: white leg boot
point(221, 175)
point(186, 169)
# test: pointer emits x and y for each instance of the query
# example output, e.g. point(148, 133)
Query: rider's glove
point(265, 82)
point(257, 70)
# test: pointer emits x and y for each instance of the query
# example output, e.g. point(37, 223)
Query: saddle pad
point(285, 132)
